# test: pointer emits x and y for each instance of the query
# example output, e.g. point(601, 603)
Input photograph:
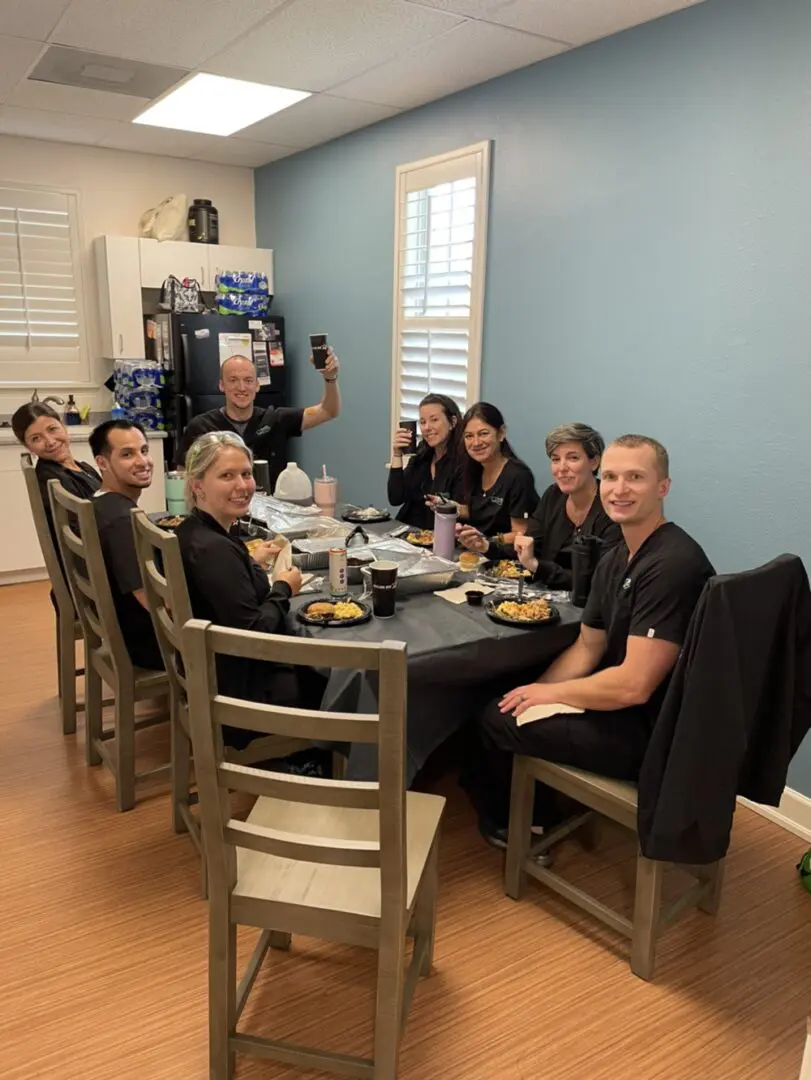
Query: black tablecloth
point(454, 651)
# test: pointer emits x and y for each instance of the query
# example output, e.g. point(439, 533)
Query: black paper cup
point(261, 474)
point(410, 425)
point(384, 588)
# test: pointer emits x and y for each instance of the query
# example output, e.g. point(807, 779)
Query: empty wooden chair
point(345, 861)
point(616, 800)
point(68, 627)
point(164, 581)
point(106, 656)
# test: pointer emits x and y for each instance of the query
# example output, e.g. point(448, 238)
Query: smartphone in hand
point(318, 347)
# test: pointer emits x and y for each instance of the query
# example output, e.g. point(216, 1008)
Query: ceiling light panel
point(214, 105)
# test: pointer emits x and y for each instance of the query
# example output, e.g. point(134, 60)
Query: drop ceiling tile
point(179, 32)
point(234, 151)
point(476, 9)
point(316, 120)
point(314, 44)
point(143, 139)
point(60, 127)
point(17, 57)
point(77, 101)
point(33, 19)
point(579, 21)
point(472, 53)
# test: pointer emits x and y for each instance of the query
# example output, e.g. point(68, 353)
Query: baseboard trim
point(793, 813)
point(21, 577)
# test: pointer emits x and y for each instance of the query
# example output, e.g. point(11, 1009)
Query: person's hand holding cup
point(525, 550)
point(405, 438)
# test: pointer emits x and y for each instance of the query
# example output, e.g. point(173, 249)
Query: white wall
point(115, 188)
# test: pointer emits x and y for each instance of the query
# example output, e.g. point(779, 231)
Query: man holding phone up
point(265, 431)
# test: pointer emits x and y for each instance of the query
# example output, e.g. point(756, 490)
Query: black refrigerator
point(192, 348)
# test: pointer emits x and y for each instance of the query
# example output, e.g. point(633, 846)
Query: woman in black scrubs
point(569, 508)
point(43, 434)
point(499, 489)
point(435, 469)
point(229, 587)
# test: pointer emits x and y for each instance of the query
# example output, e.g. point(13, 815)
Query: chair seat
point(348, 890)
point(619, 793)
point(145, 678)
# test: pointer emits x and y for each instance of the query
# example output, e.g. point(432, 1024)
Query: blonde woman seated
point(229, 587)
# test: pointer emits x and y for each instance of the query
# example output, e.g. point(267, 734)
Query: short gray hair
point(589, 438)
point(236, 356)
point(202, 454)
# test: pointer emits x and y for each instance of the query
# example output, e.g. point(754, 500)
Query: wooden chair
point(167, 594)
point(345, 861)
point(68, 627)
point(106, 656)
point(616, 800)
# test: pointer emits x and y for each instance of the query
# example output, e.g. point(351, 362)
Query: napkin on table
point(458, 595)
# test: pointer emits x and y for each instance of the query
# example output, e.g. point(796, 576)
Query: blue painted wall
point(649, 264)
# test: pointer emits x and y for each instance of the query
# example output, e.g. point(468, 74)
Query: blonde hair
point(202, 454)
point(633, 442)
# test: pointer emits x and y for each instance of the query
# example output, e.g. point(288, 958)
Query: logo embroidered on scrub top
point(626, 584)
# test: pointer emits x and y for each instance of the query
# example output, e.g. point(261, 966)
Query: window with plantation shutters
point(41, 332)
point(440, 238)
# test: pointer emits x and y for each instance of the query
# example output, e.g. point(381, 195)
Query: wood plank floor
point(103, 941)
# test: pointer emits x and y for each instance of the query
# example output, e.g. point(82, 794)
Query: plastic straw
point(324, 471)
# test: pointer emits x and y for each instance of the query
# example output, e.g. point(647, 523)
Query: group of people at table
point(644, 589)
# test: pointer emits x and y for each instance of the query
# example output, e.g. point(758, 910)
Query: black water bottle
point(585, 552)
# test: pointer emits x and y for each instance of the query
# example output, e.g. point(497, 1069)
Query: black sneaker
point(497, 837)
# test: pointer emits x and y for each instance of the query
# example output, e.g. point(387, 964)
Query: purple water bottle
point(445, 531)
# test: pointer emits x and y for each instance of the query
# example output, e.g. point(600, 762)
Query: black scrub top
point(83, 483)
point(554, 533)
point(228, 588)
point(408, 487)
point(266, 433)
point(114, 520)
point(653, 595)
point(513, 495)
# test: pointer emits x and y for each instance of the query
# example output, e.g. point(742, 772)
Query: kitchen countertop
point(79, 432)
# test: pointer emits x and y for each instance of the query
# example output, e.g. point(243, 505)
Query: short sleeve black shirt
point(653, 595)
point(512, 496)
point(114, 520)
point(266, 433)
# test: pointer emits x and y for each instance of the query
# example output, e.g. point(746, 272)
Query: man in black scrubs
point(265, 431)
point(122, 455)
point(642, 598)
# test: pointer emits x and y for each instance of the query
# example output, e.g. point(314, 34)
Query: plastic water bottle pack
point(138, 386)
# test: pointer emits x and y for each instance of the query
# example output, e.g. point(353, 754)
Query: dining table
point(457, 657)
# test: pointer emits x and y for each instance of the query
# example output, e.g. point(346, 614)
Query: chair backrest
point(167, 594)
point(210, 711)
point(61, 591)
point(77, 535)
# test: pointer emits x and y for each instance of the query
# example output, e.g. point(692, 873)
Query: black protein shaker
point(585, 554)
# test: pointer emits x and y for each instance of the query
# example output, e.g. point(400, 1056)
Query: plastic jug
point(445, 531)
point(294, 485)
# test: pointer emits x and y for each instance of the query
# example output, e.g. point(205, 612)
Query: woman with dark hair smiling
point(499, 489)
point(43, 434)
point(435, 469)
point(570, 508)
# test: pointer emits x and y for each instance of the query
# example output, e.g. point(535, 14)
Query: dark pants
point(610, 743)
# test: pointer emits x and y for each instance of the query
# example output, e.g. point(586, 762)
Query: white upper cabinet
point(118, 266)
point(160, 258)
point(127, 264)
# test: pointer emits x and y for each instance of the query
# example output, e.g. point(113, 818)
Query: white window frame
point(41, 366)
point(416, 176)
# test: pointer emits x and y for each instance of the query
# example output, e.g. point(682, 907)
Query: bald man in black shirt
point(616, 673)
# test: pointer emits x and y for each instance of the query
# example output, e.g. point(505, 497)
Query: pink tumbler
point(445, 531)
